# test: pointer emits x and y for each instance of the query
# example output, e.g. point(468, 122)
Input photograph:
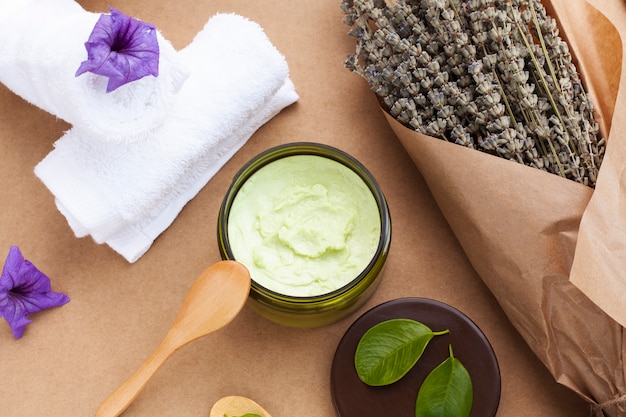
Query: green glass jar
point(327, 307)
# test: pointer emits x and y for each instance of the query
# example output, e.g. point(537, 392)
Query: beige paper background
point(72, 357)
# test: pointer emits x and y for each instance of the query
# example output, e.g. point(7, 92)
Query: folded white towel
point(42, 46)
point(127, 194)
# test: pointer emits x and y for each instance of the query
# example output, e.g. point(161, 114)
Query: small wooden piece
point(236, 406)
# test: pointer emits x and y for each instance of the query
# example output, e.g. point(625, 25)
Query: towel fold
point(41, 48)
point(126, 194)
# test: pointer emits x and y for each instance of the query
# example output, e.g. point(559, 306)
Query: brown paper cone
point(600, 263)
point(520, 228)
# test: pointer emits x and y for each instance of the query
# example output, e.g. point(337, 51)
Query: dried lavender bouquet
point(491, 75)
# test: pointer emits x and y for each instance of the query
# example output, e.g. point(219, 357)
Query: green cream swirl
point(304, 225)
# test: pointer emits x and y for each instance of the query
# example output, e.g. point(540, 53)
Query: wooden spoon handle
point(117, 402)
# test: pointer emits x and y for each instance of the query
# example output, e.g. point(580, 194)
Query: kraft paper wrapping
point(550, 250)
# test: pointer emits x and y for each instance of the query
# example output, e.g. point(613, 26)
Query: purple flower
point(24, 290)
point(121, 48)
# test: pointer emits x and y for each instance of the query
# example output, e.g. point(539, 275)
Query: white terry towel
point(127, 194)
point(42, 46)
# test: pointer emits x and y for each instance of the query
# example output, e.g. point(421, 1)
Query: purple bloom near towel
point(121, 48)
point(24, 289)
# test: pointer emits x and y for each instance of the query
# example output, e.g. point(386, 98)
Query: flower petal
point(17, 321)
point(121, 48)
point(24, 289)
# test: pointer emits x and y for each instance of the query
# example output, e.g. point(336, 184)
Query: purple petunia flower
point(121, 48)
point(24, 290)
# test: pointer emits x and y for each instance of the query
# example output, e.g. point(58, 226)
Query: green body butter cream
point(304, 225)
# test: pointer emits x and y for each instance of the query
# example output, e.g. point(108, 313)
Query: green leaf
point(388, 350)
point(446, 392)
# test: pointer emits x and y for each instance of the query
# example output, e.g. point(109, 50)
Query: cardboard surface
point(71, 358)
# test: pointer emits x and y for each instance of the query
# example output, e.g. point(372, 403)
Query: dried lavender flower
point(491, 75)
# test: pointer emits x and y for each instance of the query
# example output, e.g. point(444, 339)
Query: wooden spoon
point(235, 406)
point(215, 298)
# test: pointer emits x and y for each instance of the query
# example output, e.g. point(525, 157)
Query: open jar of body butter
point(313, 228)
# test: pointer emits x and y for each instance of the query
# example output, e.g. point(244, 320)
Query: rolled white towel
point(127, 194)
point(42, 45)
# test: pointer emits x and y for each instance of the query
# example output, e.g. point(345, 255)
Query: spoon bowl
point(236, 406)
point(214, 300)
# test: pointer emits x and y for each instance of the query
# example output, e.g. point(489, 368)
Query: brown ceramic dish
point(353, 398)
